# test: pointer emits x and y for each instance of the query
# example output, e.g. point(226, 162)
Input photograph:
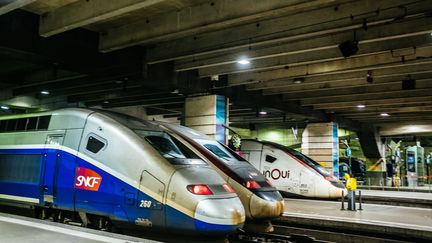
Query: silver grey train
point(110, 168)
point(261, 200)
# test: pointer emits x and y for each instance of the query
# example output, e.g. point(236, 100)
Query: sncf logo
point(87, 179)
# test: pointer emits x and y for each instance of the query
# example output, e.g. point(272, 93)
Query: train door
point(307, 182)
point(52, 149)
point(150, 201)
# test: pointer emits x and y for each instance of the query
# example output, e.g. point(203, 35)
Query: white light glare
point(45, 92)
point(384, 114)
point(263, 112)
point(243, 61)
point(3, 107)
point(361, 106)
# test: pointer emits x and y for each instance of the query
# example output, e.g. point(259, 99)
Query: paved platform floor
point(409, 220)
point(397, 194)
point(21, 229)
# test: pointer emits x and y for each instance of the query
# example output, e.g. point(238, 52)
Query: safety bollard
point(343, 206)
point(351, 200)
point(360, 202)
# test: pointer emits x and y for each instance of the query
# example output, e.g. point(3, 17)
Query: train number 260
point(145, 204)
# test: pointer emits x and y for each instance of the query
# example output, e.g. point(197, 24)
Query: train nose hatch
point(219, 214)
point(265, 205)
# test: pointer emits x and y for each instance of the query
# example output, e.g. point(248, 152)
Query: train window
point(270, 159)
point(25, 124)
point(20, 167)
point(94, 145)
point(21, 124)
point(32, 123)
point(170, 148)
point(3, 124)
point(43, 122)
point(11, 125)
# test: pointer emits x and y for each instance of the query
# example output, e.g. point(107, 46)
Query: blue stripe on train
point(115, 198)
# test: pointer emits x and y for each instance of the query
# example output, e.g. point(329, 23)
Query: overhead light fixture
point(263, 112)
point(349, 48)
point(384, 114)
point(45, 92)
point(361, 106)
point(4, 107)
point(298, 80)
point(243, 61)
point(369, 77)
point(106, 102)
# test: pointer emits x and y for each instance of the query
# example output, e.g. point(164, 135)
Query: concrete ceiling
point(154, 53)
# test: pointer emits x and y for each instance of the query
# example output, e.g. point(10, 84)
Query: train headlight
point(228, 188)
point(252, 185)
point(199, 189)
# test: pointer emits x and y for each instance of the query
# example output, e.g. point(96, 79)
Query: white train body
point(291, 172)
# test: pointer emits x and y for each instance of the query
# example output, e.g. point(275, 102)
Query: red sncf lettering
point(87, 179)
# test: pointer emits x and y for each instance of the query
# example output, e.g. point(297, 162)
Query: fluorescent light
point(243, 61)
point(361, 106)
point(4, 107)
point(106, 102)
point(263, 112)
point(384, 114)
point(45, 92)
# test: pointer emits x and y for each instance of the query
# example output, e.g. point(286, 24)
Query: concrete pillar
point(320, 142)
point(207, 114)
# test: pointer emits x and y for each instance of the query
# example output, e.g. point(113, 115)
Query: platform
point(399, 198)
point(22, 229)
point(407, 222)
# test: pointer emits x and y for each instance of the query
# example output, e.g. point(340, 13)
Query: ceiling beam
point(393, 35)
point(380, 101)
point(377, 111)
point(139, 101)
point(367, 62)
point(340, 17)
point(201, 18)
point(346, 84)
point(380, 74)
point(7, 6)
point(351, 88)
point(84, 12)
point(365, 97)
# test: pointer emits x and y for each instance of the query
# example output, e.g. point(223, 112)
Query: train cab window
point(169, 147)
point(94, 145)
point(220, 151)
point(270, 159)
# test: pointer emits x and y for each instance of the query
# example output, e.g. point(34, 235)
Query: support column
point(320, 142)
point(207, 114)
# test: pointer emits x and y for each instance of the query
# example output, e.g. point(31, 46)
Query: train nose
point(219, 215)
point(266, 206)
point(336, 190)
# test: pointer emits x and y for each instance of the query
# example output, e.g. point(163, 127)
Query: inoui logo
point(277, 174)
point(87, 179)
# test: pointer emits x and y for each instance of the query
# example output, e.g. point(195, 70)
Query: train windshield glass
point(220, 151)
point(169, 147)
point(310, 162)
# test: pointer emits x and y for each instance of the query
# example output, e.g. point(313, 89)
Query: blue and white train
point(109, 168)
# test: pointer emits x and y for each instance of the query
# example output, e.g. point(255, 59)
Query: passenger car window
point(94, 145)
